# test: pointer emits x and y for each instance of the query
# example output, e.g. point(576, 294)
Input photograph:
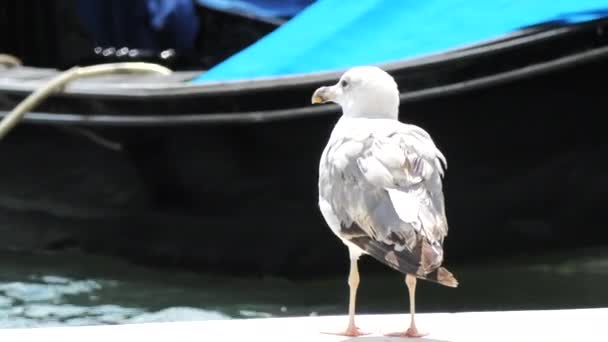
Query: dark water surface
point(63, 289)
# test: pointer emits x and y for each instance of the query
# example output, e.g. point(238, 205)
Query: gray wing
point(386, 190)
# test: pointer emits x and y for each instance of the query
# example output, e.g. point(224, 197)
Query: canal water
point(68, 289)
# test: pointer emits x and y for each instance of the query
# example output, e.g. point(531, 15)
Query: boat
point(208, 171)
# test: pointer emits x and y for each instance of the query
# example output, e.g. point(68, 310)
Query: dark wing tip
point(442, 276)
point(404, 262)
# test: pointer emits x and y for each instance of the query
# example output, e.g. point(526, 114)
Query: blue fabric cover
point(337, 34)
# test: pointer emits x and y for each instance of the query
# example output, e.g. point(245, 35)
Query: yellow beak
point(321, 95)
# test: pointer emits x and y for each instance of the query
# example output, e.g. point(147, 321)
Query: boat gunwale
point(154, 120)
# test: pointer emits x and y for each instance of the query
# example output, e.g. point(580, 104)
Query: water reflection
point(54, 300)
point(51, 290)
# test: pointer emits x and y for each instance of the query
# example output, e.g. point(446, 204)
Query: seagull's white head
point(363, 92)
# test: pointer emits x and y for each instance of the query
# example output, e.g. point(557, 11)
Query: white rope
point(9, 60)
point(58, 83)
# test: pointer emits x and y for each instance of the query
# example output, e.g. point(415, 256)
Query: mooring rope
point(9, 60)
point(60, 81)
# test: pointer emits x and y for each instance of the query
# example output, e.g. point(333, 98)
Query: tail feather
point(442, 276)
point(406, 262)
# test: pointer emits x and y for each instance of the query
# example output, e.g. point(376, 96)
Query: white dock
point(511, 326)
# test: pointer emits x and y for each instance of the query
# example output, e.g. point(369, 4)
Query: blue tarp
point(337, 34)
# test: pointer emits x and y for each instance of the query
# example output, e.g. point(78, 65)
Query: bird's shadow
point(390, 339)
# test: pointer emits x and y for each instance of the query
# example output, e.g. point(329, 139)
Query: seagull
point(380, 186)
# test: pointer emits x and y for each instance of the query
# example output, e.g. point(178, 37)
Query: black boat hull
point(526, 173)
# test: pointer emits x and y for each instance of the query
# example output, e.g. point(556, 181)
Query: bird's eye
point(343, 83)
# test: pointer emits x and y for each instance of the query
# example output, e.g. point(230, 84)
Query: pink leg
point(410, 281)
point(353, 283)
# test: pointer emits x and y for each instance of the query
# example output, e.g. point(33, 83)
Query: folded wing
point(389, 198)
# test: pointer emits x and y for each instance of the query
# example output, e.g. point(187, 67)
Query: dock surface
point(546, 325)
